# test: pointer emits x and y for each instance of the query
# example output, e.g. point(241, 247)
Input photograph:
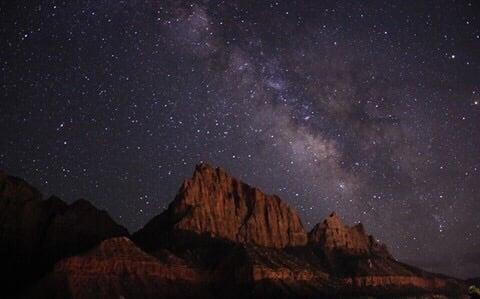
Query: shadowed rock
point(35, 233)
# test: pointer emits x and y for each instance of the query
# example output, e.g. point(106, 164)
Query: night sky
point(367, 109)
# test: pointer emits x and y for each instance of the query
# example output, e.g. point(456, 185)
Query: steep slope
point(35, 233)
point(216, 204)
point(118, 269)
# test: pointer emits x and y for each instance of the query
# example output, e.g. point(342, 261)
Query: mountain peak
point(203, 166)
point(206, 172)
point(214, 203)
point(333, 217)
point(333, 235)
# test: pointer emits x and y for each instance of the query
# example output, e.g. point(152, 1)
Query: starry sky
point(370, 109)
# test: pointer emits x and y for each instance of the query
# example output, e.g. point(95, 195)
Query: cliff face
point(215, 204)
point(333, 235)
point(35, 233)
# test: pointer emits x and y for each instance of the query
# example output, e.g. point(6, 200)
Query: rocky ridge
point(219, 238)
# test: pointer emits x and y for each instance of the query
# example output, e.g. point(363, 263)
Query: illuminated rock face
point(333, 235)
point(216, 204)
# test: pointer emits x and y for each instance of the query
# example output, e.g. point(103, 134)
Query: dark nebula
point(367, 109)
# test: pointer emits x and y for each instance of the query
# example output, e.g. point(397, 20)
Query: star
point(330, 108)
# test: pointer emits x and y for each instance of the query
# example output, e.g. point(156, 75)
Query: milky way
point(370, 110)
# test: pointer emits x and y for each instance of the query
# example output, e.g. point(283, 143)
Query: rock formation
point(219, 238)
point(333, 235)
point(118, 269)
point(35, 233)
point(218, 205)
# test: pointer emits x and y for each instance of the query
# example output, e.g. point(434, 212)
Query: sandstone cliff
point(216, 204)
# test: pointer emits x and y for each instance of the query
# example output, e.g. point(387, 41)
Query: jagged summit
point(203, 166)
point(213, 202)
point(333, 235)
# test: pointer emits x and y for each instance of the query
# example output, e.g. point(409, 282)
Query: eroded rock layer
point(119, 269)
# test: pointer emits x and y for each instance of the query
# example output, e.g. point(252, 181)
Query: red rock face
point(333, 235)
point(214, 203)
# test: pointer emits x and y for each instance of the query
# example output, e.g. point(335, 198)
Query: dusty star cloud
point(367, 109)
